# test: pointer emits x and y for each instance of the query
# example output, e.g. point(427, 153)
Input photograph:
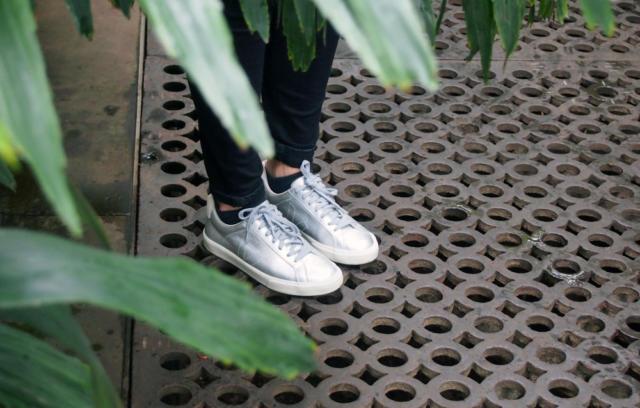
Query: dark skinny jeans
point(291, 101)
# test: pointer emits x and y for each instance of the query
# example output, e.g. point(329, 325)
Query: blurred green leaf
point(124, 6)
point(6, 176)
point(27, 110)
point(432, 24)
point(33, 374)
point(301, 45)
point(481, 31)
point(198, 306)
point(388, 37)
point(599, 13)
point(89, 217)
point(81, 12)
point(508, 16)
point(195, 33)
point(56, 323)
point(563, 10)
point(532, 12)
point(546, 8)
point(256, 14)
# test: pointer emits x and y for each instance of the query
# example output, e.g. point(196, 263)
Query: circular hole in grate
point(563, 388)
point(602, 355)
point(428, 295)
point(577, 294)
point(333, 327)
point(577, 192)
point(343, 127)
point(392, 358)
point(173, 214)
point(551, 355)
point(509, 239)
point(385, 325)
point(339, 359)
point(174, 86)
point(626, 295)
point(610, 169)
point(400, 392)
point(590, 324)
point(173, 190)
point(600, 240)
point(499, 214)
point(173, 124)
point(408, 214)
point(173, 105)
point(488, 324)
point(175, 361)
point(437, 325)
point(544, 215)
point(633, 322)
point(589, 215)
point(396, 168)
point(491, 191)
point(568, 170)
point(175, 395)
point(173, 240)
point(415, 240)
point(339, 107)
point(561, 74)
point(288, 395)
point(525, 170)
point(419, 108)
point(357, 191)
point(446, 357)
point(422, 266)
point(460, 109)
point(173, 70)
point(509, 390)
point(374, 90)
point(616, 389)
point(401, 191)
point(353, 168)
point(173, 146)
point(479, 294)
point(454, 391)
point(554, 240)
point(622, 193)
point(374, 268)
point(528, 294)
point(470, 266)
point(336, 89)
point(462, 240)
point(344, 393)
point(521, 74)
point(508, 128)
point(348, 147)
point(535, 192)
point(540, 324)
point(498, 356)
point(612, 266)
point(173, 167)
point(440, 169)
point(500, 109)
point(569, 92)
point(566, 267)
point(233, 395)
point(519, 265)
point(454, 214)
point(379, 295)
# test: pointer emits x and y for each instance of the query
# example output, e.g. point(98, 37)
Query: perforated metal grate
point(509, 221)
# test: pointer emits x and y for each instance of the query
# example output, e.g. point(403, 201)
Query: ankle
point(227, 207)
point(276, 168)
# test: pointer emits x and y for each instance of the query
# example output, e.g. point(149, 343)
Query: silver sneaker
point(309, 204)
point(269, 248)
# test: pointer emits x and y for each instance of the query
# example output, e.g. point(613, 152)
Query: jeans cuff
point(247, 201)
point(293, 156)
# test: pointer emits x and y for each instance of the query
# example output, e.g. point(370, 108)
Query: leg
point(292, 100)
point(234, 174)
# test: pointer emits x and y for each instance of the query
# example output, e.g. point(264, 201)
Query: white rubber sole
point(345, 257)
point(277, 284)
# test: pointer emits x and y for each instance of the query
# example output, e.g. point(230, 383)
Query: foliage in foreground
point(40, 275)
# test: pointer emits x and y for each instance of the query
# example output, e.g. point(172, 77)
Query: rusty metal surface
point(509, 222)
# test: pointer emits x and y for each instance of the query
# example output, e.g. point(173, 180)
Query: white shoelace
point(282, 231)
point(321, 197)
